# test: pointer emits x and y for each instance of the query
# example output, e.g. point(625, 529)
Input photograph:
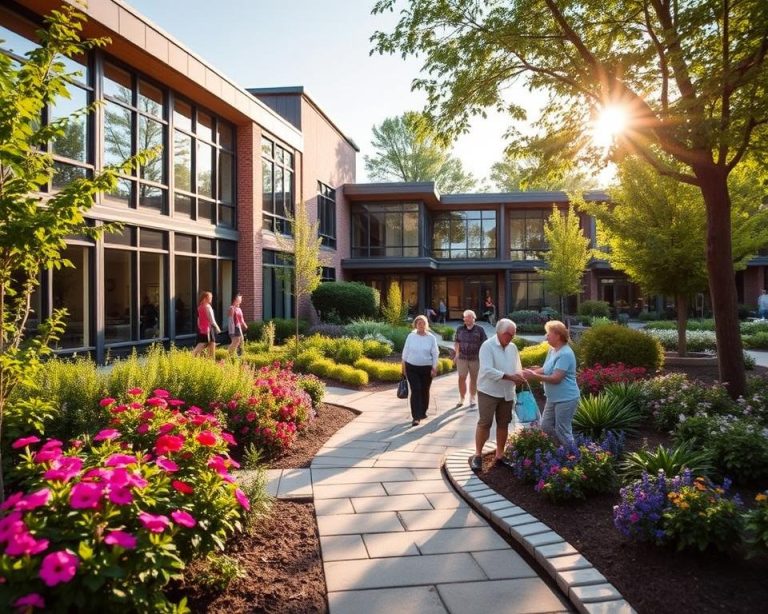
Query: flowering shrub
point(638, 516)
point(756, 525)
point(272, 415)
point(110, 519)
point(668, 397)
point(564, 483)
point(700, 515)
point(593, 379)
point(696, 340)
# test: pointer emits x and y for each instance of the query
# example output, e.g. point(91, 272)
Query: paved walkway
point(397, 534)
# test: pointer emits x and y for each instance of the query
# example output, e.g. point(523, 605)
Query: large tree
point(407, 150)
point(655, 230)
point(690, 74)
point(517, 175)
point(567, 256)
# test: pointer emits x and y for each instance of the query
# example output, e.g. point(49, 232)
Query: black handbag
point(402, 388)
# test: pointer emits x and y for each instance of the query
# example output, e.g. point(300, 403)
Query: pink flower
point(24, 442)
point(134, 392)
point(106, 435)
point(11, 525)
point(31, 600)
point(166, 464)
point(206, 438)
point(64, 468)
point(168, 443)
point(182, 487)
point(23, 543)
point(143, 428)
point(122, 539)
point(118, 409)
point(34, 500)
point(106, 402)
point(120, 460)
point(185, 519)
point(229, 438)
point(85, 496)
point(242, 499)
point(161, 393)
point(12, 501)
point(166, 428)
point(58, 567)
point(157, 402)
point(175, 402)
point(120, 496)
point(154, 523)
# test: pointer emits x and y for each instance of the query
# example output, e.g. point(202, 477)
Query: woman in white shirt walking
point(420, 366)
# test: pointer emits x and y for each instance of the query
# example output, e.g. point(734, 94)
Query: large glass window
point(526, 234)
point(71, 292)
point(184, 301)
point(278, 278)
point(527, 292)
point(385, 230)
point(277, 186)
point(464, 234)
point(326, 214)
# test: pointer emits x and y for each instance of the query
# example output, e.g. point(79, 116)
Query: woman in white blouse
point(420, 366)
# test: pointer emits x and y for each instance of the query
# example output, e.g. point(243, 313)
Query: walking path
point(397, 536)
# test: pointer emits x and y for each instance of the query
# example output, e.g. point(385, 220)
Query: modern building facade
point(211, 212)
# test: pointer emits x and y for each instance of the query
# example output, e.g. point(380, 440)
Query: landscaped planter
point(692, 359)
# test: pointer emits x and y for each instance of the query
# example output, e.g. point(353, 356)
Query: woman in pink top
point(236, 324)
point(207, 328)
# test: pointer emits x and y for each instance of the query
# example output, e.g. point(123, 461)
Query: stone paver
point(524, 596)
point(409, 600)
point(295, 483)
point(343, 547)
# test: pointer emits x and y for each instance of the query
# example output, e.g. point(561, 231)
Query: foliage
point(377, 348)
point(534, 355)
point(592, 380)
point(756, 525)
point(395, 310)
point(219, 570)
point(314, 387)
point(695, 341)
point(157, 486)
point(406, 150)
point(527, 316)
point(328, 330)
point(638, 515)
point(758, 341)
point(379, 330)
point(688, 84)
point(739, 448)
point(611, 344)
point(349, 350)
point(568, 254)
point(599, 414)
point(597, 309)
point(517, 175)
point(347, 300)
point(630, 393)
point(667, 398)
point(381, 371)
point(523, 447)
point(446, 333)
point(671, 461)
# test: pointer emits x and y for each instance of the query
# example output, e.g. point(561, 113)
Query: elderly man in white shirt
point(500, 371)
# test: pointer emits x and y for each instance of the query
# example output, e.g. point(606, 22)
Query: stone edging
point(586, 588)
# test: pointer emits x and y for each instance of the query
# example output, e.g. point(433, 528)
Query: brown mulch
point(284, 573)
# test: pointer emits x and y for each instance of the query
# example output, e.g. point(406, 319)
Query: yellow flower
point(761, 497)
point(683, 505)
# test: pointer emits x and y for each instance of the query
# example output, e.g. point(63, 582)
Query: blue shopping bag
point(526, 408)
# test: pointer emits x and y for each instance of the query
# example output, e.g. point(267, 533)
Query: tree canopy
point(406, 150)
point(690, 77)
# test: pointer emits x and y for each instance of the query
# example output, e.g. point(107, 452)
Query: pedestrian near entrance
point(236, 325)
point(466, 347)
point(489, 309)
point(419, 365)
point(558, 374)
point(207, 328)
point(442, 311)
point(762, 305)
point(500, 371)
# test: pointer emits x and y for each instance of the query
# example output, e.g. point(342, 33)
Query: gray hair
point(505, 325)
point(469, 312)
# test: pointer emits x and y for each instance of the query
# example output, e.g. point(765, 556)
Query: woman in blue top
point(558, 374)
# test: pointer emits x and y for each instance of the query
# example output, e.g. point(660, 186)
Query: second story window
point(326, 214)
point(388, 230)
point(464, 234)
point(277, 186)
point(526, 234)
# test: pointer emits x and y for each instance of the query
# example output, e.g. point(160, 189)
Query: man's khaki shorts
point(493, 407)
point(470, 367)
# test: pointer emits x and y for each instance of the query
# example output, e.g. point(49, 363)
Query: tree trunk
point(722, 279)
point(681, 302)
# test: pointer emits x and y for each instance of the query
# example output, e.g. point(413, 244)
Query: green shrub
point(314, 387)
point(348, 350)
point(347, 300)
point(596, 415)
point(256, 360)
point(374, 348)
point(254, 331)
point(754, 327)
point(378, 370)
point(739, 449)
point(629, 393)
point(599, 309)
point(306, 358)
point(349, 375)
point(527, 316)
point(612, 344)
point(672, 461)
point(668, 399)
point(286, 328)
point(446, 333)
point(523, 343)
point(648, 316)
point(758, 341)
point(321, 367)
point(444, 365)
point(531, 329)
point(534, 355)
point(395, 310)
point(756, 526)
point(379, 330)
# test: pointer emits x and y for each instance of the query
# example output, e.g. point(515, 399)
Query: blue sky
point(322, 45)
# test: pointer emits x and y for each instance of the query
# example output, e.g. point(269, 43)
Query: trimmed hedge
point(343, 301)
point(611, 344)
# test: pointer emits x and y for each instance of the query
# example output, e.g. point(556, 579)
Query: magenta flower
point(166, 428)
point(107, 435)
point(12, 501)
point(134, 392)
point(143, 428)
point(32, 600)
point(168, 443)
point(64, 468)
point(58, 567)
point(106, 402)
point(10, 525)
point(166, 464)
point(23, 543)
point(120, 460)
point(185, 519)
point(175, 402)
point(161, 393)
point(85, 496)
point(24, 442)
point(242, 499)
point(34, 500)
point(154, 523)
point(122, 539)
point(229, 438)
point(157, 402)
point(206, 438)
point(120, 496)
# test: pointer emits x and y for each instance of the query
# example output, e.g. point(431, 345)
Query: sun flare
point(610, 122)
